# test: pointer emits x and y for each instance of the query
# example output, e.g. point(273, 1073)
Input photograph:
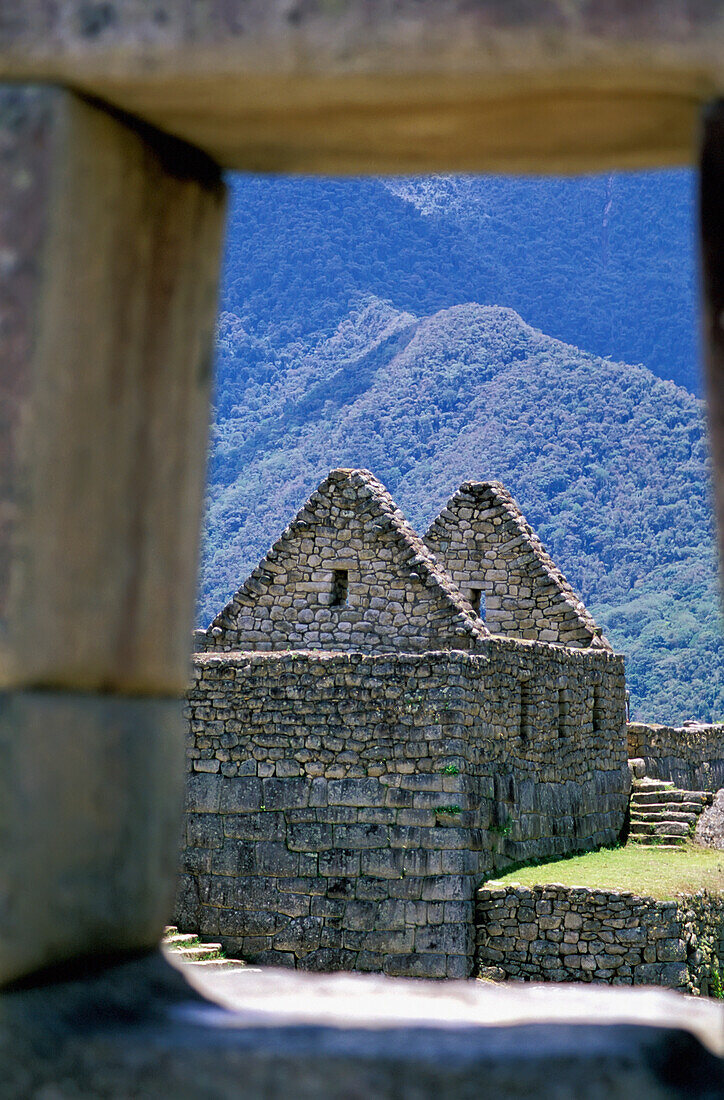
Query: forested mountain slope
point(607, 461)
point(605, 262)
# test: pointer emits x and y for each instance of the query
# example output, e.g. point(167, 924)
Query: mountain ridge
point(607, 462)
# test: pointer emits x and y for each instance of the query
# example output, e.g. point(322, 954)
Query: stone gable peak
point(495, 557)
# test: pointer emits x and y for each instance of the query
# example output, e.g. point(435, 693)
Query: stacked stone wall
point(564, 934)
point(692, 757)
point(342, 808)
point(484, 542)
point(349, 573)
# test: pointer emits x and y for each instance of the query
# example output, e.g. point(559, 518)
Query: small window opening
point(562, 712)
point(596, 708)
point(340, 587)
point(477, 602)
point(526, 710)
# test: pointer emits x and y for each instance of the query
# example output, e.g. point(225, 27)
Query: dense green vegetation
point(605, 262)
point(608, 462)
point(347, 337)
point(649, 872)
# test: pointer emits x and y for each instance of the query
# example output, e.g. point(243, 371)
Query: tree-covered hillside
point(605, 263)
point(608, 461)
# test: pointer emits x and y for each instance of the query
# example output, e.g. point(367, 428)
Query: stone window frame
point(476, 599)
point(525, 727)
point(596, 725)
point(339, 591)
point(563, 711)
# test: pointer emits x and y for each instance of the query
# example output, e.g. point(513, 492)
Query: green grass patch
point(646, 871)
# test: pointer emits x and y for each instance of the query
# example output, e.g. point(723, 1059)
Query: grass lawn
point(642, 870)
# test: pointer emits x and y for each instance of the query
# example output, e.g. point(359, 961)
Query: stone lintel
point(366, 86)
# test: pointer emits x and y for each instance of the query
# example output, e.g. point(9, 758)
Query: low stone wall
point(692, 757)
point(563, 934)
point(342, 808)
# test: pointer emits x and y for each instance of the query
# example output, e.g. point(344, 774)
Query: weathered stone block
point(416, 966)
point(249, 922)
point(196, 861)
point(391, 914)
point(361, 836)
point(311, 837)
point(390, 942)
point(206, 764)
point(203, 793)
point(356, 792)
point(241, 795)
point(274, 858)
point(328, 958)
point(360, 915)
point(255, 826)
point(381, 863)
point(448, 939)
point(204, 831)
point(445, 888)
point(300, 936)
point(339, 862)
point(671, 950)
point(280, 794)
point(370, 889)
point(234, 859)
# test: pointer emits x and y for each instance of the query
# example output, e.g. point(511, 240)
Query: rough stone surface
point(367, 86)
point(362, 750)
point(710, 826)
point(90, 792)
point(396, 595)
point(482, 538)
point(692, 755)
point(660, 813)
point(572, 934)
point(137, 1029)
point(341, 808)
point(479, 561)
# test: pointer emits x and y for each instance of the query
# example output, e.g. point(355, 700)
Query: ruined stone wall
point(692, 757)
point(349, 573)
point(342, 808)
point(565, 934)
point(484, 542)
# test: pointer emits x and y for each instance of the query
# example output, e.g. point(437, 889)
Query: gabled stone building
point(347, 573)
point(363, 748)
point(350, 573)
point(502, 568)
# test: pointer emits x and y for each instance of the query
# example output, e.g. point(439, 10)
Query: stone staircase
point(661, 814)
point(188, 947)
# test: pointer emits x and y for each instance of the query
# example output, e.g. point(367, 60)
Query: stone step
point(700, 798)
point(664, 813)
point(659, 828)
point(667, 844)
point(197, 953)
point(219, 964)
point(178, 939)
point(647, 784)
point(667, 807)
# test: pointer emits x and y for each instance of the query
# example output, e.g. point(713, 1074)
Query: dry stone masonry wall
point(565, 934)
point(691, 756)
point(500, 565)
point(348, 573)
point(342, 807)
